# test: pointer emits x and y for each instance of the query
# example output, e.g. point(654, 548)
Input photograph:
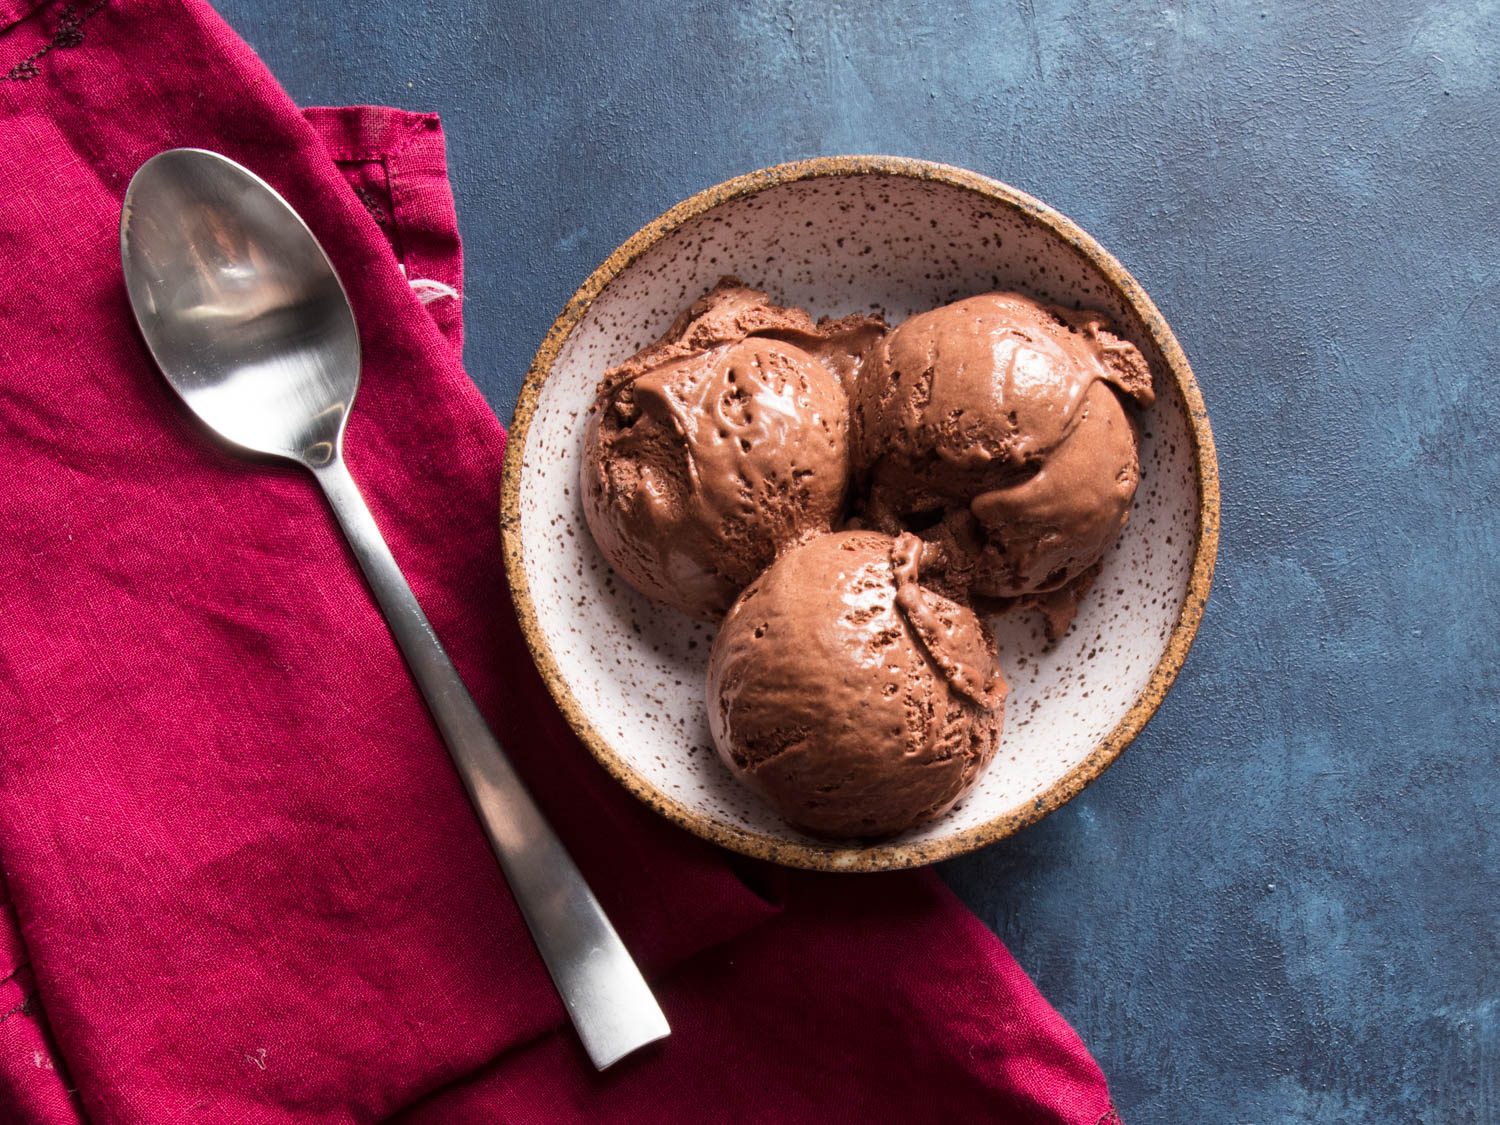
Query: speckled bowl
point(841, 235)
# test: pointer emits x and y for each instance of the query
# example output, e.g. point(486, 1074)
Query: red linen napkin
point(241, 880)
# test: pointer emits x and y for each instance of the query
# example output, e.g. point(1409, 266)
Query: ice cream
point(854, 699)
point(996, 428)
point(725, 441)
point(987, 453)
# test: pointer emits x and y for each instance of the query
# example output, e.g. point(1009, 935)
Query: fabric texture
point(241, 881)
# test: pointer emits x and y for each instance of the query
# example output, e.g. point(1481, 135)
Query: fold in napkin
point(241, 881)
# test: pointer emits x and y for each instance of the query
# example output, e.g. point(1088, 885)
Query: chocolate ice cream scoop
point(854, 699)
point(996, 427)
point(720, 444)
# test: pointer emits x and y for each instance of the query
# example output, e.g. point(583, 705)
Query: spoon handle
point(609, 1001)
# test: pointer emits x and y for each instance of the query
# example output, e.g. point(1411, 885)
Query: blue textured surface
point(1282, 903)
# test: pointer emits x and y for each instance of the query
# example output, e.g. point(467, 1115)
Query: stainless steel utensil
point(249, 323)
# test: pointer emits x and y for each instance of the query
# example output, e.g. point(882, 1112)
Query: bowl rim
point(879, 856)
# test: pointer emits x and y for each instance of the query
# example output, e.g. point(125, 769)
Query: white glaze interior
point(838, 245)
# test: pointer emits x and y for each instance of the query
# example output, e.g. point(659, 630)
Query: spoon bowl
point(240, 305)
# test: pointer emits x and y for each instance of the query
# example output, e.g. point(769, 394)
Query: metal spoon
point(247, 319)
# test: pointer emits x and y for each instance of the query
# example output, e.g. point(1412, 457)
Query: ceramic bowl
point(842, 235)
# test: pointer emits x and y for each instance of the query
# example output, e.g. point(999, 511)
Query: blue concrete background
point(1282, 903)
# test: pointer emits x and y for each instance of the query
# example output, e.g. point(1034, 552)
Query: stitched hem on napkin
point(396, 166)
point(39, 40)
